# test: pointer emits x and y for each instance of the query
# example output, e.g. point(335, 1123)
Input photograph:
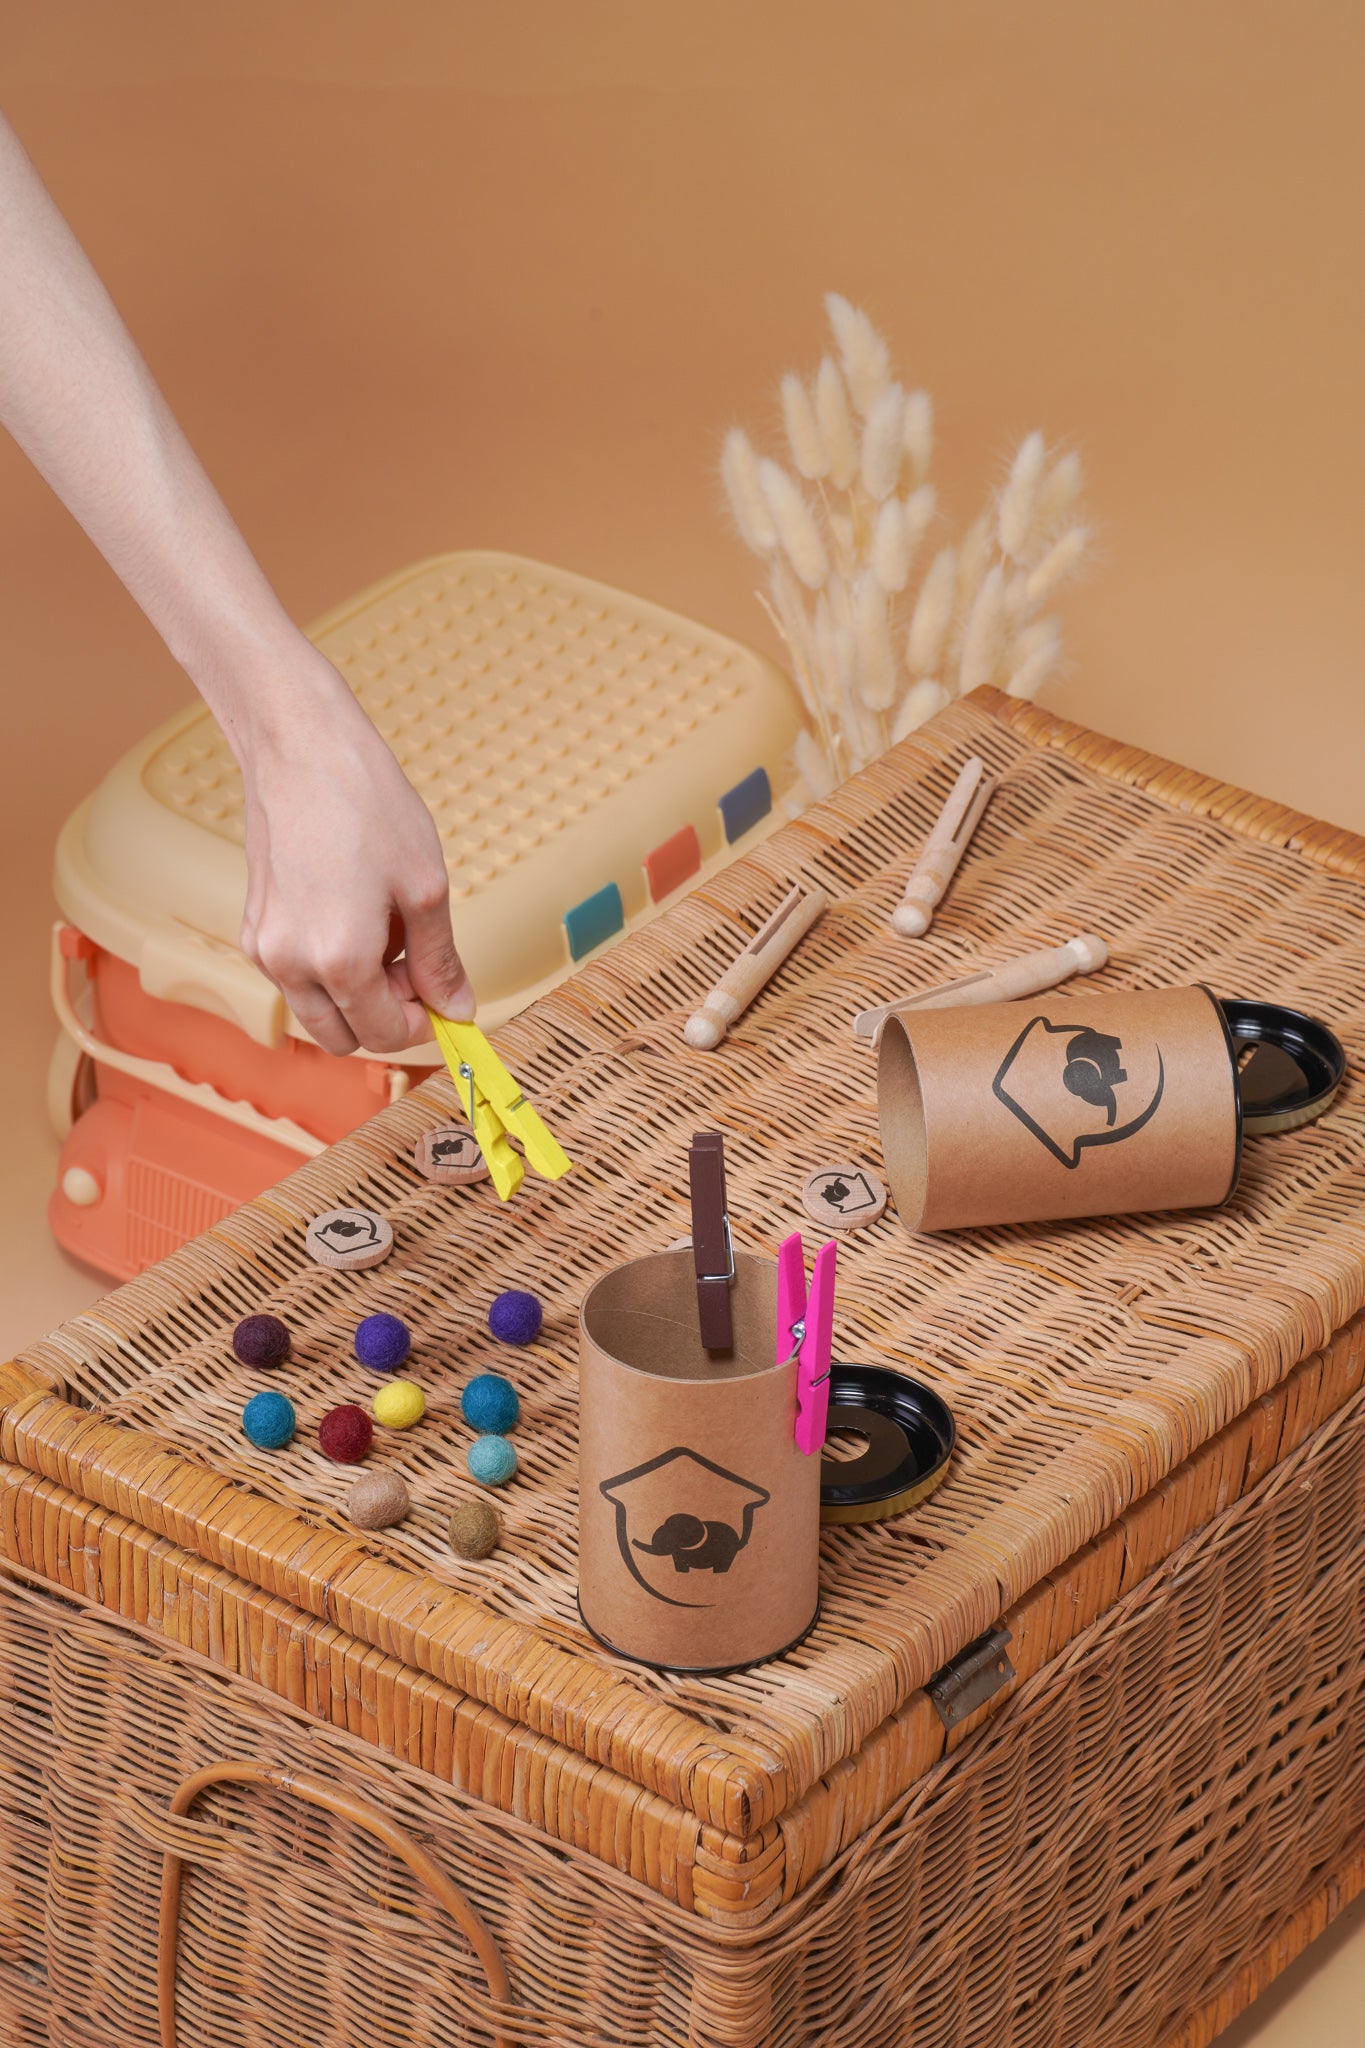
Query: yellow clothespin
point(496, 1106)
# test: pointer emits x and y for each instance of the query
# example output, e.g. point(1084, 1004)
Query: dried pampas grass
point(876, 649)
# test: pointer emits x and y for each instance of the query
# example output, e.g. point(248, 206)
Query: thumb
point(434, 966)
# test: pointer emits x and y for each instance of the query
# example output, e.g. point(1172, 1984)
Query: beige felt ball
point(475, 1530)
point(399, 1405)
point(378, 1501)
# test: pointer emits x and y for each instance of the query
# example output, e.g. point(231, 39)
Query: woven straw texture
point(1155, 1823)
point(1084, 1362)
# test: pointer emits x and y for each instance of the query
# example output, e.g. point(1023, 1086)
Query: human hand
point(344, 871)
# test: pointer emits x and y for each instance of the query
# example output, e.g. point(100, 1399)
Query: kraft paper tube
point(1064, 1105)
point(698, 1518)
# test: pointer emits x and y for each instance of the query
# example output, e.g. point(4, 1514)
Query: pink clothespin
point(805, 1333)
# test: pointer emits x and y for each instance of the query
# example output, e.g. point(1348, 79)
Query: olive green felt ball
point(378, 1501)
point(399, 1405)
point(475, 1530)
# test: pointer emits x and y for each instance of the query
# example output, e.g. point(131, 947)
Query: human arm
point(344, 862)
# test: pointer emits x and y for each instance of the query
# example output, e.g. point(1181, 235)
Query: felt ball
point(378, 1501)
point(490, 1405)
point(475, 1530)
point(261, 1340)
point(345, 1434)
point(382, 1342)
point(399, 1404)
point(268, 1420)
point(491, 1460)
point(515, 1317)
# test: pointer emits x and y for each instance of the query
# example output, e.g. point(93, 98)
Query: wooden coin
point(450, 1154)
point(843, 1196)
point(348, 1239)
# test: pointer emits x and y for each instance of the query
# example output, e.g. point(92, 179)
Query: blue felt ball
point(489, 1403)
point(515, 1317)
point(491, 1460)
point(382, 1342)
point(268, 1420)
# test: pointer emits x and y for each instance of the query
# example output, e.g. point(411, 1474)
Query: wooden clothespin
point(754, 968)
point(1029, 975)
point(496, 1108)
point(943, 849)
point(805, 1333)
point(713, 1251)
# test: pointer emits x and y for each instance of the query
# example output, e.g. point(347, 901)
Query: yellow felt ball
point(399, 1405)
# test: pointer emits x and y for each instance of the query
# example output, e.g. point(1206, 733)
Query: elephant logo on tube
point(679, 1515)
point(1075, 1087)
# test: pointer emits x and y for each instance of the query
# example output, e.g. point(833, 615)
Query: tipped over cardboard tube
point(698, 1517)
point(1091, 1105)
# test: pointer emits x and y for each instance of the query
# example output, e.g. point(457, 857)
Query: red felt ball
point(345, 1434)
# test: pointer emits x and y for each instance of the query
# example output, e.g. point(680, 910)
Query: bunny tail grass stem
point(919, 433)
point(983, 641)
point(876, 643)
point(739, 474)
point(788, 614)
point(933, 615)
point(1060, 489)
point(872, 640)
point(862, 352)
point(883, 450)
point(1019, 499)
point(795, 524)
point(922, 700)
point(1061, 561)
point(891, 547)
point(804, 437)
point(836, 425)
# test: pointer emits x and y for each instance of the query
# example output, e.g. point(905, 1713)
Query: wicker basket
point(1156, 1494)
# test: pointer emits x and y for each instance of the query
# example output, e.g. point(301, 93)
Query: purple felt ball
point(515, 1317)
point(382, 1342)
point(261, 1341)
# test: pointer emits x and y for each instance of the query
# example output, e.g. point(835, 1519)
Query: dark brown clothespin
point(713, 1254)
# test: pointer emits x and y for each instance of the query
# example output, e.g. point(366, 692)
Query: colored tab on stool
point(593, 921)
point(744, 806)
point(673, 863)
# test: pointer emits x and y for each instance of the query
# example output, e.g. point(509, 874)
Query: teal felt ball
point(491, 1460)
point(268, 1420)
point(490, 1405)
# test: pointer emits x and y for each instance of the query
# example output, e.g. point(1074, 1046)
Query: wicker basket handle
point(316, 1792)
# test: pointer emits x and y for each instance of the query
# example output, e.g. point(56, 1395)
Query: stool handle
point(157, 1074)
point(315, 1792)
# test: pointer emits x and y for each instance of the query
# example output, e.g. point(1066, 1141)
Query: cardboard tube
point(1066, 1105)
point(698, 1518)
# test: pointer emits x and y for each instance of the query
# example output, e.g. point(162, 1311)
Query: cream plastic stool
point(586, 755)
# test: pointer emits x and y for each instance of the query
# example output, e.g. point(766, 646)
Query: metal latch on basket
point(972, 1678)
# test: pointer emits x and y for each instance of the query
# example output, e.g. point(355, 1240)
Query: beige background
point(421, 276)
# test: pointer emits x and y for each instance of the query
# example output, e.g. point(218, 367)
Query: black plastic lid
point(1289, 1067)
point(910, 1435)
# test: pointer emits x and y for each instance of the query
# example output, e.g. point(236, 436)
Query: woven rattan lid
point(565, 736)
point(1083, 1362)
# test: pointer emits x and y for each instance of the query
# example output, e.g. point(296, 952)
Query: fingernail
point(459, 1008)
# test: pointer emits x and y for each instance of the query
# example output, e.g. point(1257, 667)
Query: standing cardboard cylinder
point(698, 1518)
point(1091, 1105)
